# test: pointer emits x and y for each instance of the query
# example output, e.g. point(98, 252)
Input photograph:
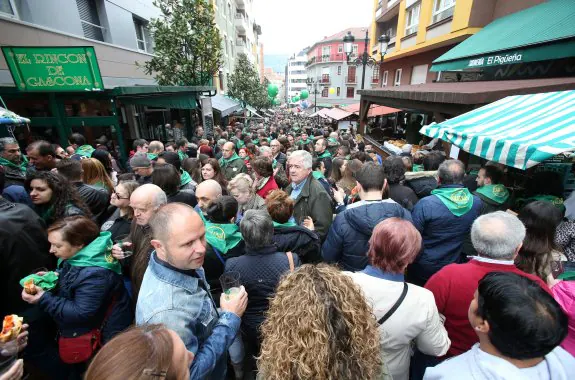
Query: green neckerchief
point(325, 154)
point(417, 168)
point(85, 150)
point(458, 200)
point(332, 140)
point(497, 193)
point(289, 223)
point(46, 282)
point(223, 237)
point(226, 161)
point(274, 164)
point(569, 276)
point(100, 185)
point(474, 172)
point(557, 202)
point(185, 178)
point(256, 141)
point(317, 175)
point(22, 166)
point(152, 156)
point(305, 142)
point(96, 254)
point(182, 155)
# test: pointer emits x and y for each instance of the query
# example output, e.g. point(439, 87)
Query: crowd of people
point(345, 264)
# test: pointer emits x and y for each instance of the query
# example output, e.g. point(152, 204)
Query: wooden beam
point(364, 106)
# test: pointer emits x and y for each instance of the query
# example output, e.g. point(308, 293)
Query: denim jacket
point(178, 301)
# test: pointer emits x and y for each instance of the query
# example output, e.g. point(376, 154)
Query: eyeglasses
point(118, 195)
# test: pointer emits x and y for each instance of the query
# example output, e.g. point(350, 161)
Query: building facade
point(296, 74)
point(338, 81)
point(422, 30)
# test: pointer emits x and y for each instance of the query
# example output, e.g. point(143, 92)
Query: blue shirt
point(296, 189)
point(376, 272)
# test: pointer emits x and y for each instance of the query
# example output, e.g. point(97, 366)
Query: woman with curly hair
point(54, 197)
point(94, 173)
point(319, 327)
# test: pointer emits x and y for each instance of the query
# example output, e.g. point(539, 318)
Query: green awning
point(177, 97)
point(539, 33)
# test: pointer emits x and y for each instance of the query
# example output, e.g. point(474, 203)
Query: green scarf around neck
point(223, 237)
point(240, 144)
point(226, 161)
point(458, 200)
point(185, 178)
point(274, 164)
point(305, 142)
point(557, 202)
point(325, 154)
point(182, 155)
point(152, 156)
point(21, 166)
point(497, 193)
point(417, 168)
point(317, 175)
point(289, 223)
point(567, 276)
point(256, 141)
point(85, 150)
point(96, 254)
point(332, 140)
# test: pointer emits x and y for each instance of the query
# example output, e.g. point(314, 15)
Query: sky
point(290, 25)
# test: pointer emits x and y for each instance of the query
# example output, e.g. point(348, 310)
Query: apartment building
point(422, 30)
point(327, 65)
point(296, 74)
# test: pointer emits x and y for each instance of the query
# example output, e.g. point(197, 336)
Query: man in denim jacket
point(175, 293)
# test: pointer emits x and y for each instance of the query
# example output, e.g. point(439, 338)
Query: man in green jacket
point(231, 163)
point(311, 199)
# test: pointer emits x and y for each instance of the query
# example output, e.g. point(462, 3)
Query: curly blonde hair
point(319, 326)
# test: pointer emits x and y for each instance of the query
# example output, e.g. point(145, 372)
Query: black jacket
point(298, 240)
point(24, 248)
point(214, 267)
point(183, 197)
point(13, 176)
point(422, 184)
point(403, 195)
point(96, 199)
point(281, 159)
point(117, 225)
point(260, 272)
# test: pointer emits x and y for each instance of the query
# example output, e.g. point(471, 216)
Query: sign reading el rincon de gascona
point(54, 68)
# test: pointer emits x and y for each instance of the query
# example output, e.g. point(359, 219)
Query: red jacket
point(453, 288)
point(270, 186)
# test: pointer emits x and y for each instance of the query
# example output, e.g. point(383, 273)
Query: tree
point(244, 84)
point(187, 43)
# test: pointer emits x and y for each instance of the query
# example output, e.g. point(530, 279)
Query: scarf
point(85, 150)
point(305, 142)
point(557, 202)
point(46, 282)
point(289, 223)
point(96, 254)
point(458, 200)
point(185, 178)
point(152, 156)
point(226, 161)
point(222, 237)
point(325, 154)
point(21, 166)
point(240, 144)
point(417, 168)
point(256, 141)
point(182, 155)
point(274, 164)
point(568, 276)
point(332, 140)
point(317, 175)
point(497, 193)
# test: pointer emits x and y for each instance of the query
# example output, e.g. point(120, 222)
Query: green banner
point(54, 68)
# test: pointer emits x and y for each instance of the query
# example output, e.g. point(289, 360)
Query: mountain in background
point(277, 62)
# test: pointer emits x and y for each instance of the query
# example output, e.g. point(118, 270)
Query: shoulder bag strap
point(395, 306)
point(219, 255)
point(290, 259)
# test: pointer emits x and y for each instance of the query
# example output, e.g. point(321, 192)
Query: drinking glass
point(230, 282)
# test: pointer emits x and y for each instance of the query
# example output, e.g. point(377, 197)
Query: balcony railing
point(374, 80)
point(351, 79)
point(334, 57)
point(240, 42)
point(324, 79)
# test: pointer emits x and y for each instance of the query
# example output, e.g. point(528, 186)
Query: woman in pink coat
point(564, 294)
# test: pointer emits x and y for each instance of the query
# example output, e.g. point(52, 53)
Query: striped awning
point(519, 131)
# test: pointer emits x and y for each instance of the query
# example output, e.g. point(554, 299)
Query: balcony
point(374, 80)
point(324, 79)
point(351, 79)
point(334, 57)
point(241, 46)
point(388, 10)
point(241, 23)
point(240, 4)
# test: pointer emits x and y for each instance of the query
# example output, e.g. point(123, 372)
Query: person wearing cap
point(142, 167)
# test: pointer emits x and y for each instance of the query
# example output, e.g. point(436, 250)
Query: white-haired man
point(311, 199)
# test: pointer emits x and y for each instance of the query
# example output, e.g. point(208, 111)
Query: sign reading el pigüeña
point(54, 68)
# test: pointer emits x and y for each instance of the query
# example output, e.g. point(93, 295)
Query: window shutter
point(89, 15)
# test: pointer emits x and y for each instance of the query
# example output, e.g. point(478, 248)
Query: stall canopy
point(178, 97)
point(539, 33)
point(374, 110)
point(225, 105)
point(9, 117)
point(519, 131)
point(321, 113)
point(254, 112)
point(337, 113)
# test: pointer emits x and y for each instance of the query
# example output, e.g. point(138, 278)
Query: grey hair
point(7, 141)
point(497, 235)
point(265, 149)
point(221, 142)
point(242, 182)
point(159, 199)
point(305, 156)
point(451, 172)
point(257, 229)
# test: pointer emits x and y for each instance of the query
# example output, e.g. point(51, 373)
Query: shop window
point(90, 19)
point(80, 107)
point(350, 92)
point(397, 81)
point(412, 18)
point(442, 9)
point(325, 92)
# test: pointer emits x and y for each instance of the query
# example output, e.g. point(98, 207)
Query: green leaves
point(187, 43)
point(244, 84)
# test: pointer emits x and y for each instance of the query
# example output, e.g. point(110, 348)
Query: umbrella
point(9, 117)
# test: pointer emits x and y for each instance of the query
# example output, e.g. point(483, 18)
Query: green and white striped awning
point(519, 131)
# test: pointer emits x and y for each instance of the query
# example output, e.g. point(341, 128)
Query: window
point(325, 92)
point(397, 81)
point(384, 81)
point(350, 92)
point(339, 70)
point(354, 50)
point(90, 19)
point(8, 7)
point(326, 52)
point(442, 9)
point(339, 49)
point(418, 74)
point(142, 35)
point(375, 75)
point(339, 91)
point(412, 19)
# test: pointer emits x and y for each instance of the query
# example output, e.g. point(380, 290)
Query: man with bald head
point(231, 163)
point(207, 192)
point(174, 292)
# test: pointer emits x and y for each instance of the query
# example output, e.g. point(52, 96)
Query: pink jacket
point(564, 294)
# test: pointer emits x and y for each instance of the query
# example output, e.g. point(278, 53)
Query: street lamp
point(311, 83)
point(365, 59)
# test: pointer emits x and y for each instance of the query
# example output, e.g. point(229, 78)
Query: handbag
point(81, 348)
point(395, 306)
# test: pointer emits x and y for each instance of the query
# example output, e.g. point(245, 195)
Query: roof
point(150, 90)
point(337, 113)
point(374, 110)
point(548, 23)
point(225, 105)
point(468, 93)
point(519, 131)
point(358, 33)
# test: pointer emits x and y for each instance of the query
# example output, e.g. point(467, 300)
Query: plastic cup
point(127, 249)
point(230, 282)
point(556, 268)
point(8, 355)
